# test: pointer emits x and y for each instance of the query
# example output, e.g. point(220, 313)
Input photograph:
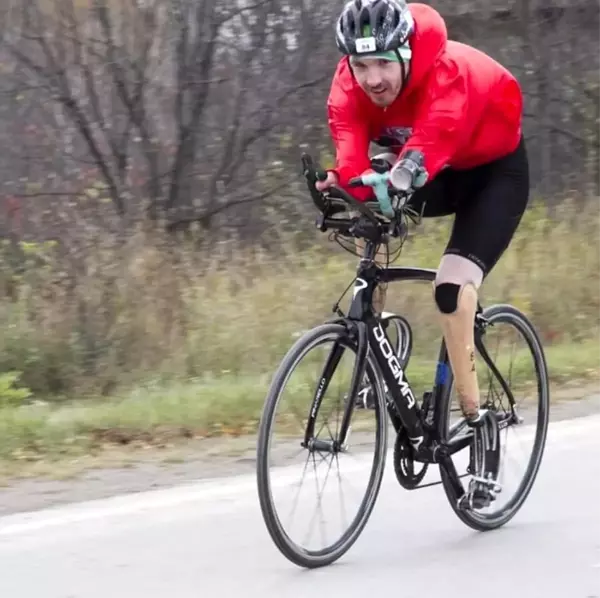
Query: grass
point(179, 412)
point(150, 345)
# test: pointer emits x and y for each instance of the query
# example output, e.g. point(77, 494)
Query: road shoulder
point(162, 468)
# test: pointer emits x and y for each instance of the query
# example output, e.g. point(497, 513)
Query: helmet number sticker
point(365, 44)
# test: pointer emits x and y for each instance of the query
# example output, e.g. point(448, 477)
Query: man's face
point(380, 79)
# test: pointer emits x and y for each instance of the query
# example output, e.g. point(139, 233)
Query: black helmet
point(367, 26)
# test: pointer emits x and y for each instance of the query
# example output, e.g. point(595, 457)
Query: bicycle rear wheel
point(502, 384)
point(369, 463)
point(400, 334)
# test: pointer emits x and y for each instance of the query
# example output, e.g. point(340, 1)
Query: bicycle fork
point(357, 332)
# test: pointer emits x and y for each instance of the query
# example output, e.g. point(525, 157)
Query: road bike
point(423, 433)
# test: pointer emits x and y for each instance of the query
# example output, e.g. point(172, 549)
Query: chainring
point(404, 464)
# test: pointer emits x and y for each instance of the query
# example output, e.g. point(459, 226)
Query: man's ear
point(350, 67)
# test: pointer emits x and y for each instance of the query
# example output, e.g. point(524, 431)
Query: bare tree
point(182, 92)
point(182, 111)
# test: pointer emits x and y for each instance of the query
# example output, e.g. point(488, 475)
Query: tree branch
point(207, 215)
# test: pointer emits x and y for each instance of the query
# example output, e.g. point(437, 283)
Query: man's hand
point(409, 172)
point(331, 179)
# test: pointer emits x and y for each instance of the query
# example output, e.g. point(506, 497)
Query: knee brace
point(455, 274)
point(457, 304)
point(446, 296)
point(452, 298)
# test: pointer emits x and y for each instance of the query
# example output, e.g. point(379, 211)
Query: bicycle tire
point(506, 313)
point(292, 551)
point(403, 346)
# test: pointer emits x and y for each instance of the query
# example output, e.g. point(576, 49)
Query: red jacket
point(460, 107)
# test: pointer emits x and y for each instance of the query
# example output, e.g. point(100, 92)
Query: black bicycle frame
point(427, 432)
point(366, 330)
point(361, 311)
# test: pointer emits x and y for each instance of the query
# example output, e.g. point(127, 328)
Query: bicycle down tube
point(395, 378)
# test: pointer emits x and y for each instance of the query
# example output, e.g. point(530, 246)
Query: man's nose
point(373, 78)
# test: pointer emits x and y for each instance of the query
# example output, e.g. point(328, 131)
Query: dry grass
point(187, 346)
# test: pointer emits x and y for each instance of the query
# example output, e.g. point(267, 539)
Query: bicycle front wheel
point(316, 366)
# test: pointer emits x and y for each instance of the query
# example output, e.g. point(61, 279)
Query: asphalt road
point(208, 540)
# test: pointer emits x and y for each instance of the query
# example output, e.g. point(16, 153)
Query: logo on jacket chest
point(393, 136)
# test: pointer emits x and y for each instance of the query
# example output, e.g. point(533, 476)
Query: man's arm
point(351, 139)
point(441, 125)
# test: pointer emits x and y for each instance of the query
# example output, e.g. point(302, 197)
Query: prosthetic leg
point(457, 304)
point(455, 291)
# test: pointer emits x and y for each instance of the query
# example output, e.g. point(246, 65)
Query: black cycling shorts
point(488, 202)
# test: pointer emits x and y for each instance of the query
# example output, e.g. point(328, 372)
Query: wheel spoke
point(507, 327)
point(315, 524)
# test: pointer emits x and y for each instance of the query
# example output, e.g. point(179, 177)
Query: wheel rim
point(363, 458)
point(527, 386)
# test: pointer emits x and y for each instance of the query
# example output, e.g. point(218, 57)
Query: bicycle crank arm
point(447, 465)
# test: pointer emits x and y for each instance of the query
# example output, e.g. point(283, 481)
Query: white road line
point(214, 491)
point(572, 432)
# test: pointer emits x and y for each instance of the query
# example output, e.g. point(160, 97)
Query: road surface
point(208, 540)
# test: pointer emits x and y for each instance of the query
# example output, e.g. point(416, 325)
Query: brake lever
point(312, 175)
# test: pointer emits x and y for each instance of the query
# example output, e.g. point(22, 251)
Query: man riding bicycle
point(449, 117)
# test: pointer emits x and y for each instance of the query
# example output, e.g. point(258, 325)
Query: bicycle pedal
point(479, 496)
point(488, 483)
point(480, 499)
point(473, 501)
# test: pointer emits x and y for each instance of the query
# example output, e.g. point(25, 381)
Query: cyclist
point(449, 117)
